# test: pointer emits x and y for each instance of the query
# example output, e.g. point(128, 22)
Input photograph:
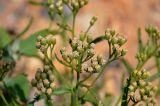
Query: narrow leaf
point(5, 38)
point(61, 91)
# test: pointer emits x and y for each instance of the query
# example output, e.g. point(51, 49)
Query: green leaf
point(127, 65)
point(27, 46)
point(61, 91)
point(108, 100)
point(98, 39)
point(92, 96)
point(18, 86)
point(5, 38)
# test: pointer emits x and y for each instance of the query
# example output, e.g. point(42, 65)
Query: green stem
point(73, 25)
point(3, 98)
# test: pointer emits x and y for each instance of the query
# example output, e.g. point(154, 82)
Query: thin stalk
point(73, 24)
point(3, 98)
point(98, 76)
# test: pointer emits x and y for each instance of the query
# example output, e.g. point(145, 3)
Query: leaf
point(61, 91)
point(154, 77)
point(28, 46)
point(108, 100)
point(45, 4)
point(98, 39)
point(127, 65)
point(92, 96)
point(5, 38)
point(19, 86)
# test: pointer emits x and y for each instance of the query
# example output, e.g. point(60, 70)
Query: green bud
point(39, 86)
point(142, 91)
point(142, 83)
point(49, 72)
point(75, 5)
point(43, 75)
point(53, 41)
point(51, 77)
point(139, 73)
point(93, 20)
point(46, 83)
point(34, 82)
point(131, 88)
point(38, 74)
point(134, 84)
point(155, 89)
point(123, 52)
point(51, 7)
point(39, 38)
point(144, 97)
point(53, 85)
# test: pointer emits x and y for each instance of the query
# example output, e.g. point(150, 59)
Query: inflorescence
point(141, 90)
point(44, 81)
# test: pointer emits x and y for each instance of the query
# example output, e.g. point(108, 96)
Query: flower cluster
point(153, 32)
point(43, 43)
point(95, 64)
point(115, 42)
point(44, 81)
point(80, 50)
point(5, 66)
point(58, 6)
point(140, 90)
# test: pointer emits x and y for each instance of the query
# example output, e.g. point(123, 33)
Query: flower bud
point(53, 41)
point(142, 83)
point(139, 73)
point(90, 69)
point(38, 45)
point(39, 38)
point(142, 91)
point(38, 75)
point(51, 78)
point(49, 91)
point(43, 75)
point(131, 88)
point(53, 85)
point(97, 67)
point(39, 86)
point(46, 82)
point(144, 97)
point(131, 94)
point(154, 89)
point(34, 82)
point(134, 84)
point(93, 20)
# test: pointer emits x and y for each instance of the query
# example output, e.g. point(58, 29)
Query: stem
point(3, 98)
point(94, 81)
point(73, 25)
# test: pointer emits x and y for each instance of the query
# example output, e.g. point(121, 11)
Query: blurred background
point(125, 16)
